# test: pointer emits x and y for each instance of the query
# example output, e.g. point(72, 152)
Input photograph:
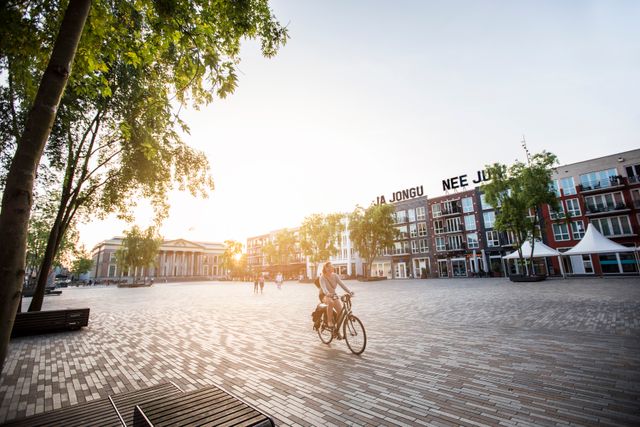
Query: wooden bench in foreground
point(162, 404)
point(40, 322)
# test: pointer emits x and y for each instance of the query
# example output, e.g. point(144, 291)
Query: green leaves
point(372, 229)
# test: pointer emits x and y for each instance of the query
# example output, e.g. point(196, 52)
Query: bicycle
point(352, 328)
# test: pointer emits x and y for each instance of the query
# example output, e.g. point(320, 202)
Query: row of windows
point(411, 215)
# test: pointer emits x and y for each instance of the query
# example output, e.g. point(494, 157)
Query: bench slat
point(125, 403)
point(211, 405)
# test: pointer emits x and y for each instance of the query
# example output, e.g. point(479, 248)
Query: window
point(489, 219)
point(604, 202)
point(615, 226)
point(467, 205)
point(577, 230)
point(573, 208)
point(422, 229)
point(554, 187)
point(560, 231)
point(453, 225)
point(400, 248)
point(450, 206)
point(421, 213)
point(413, 230)
point(559, 214)
point(454, 242)
point(469, 222)
point(424, 246)
point(509, 238)
point(598, 179)
point(414, 247)
point(411, 214)
point(401, 216)
point(568, 186)
point(472, 241)
point(436, 210)
point(492, 239)
point(402, 232)
point(438, 226)
point(633, 172)
point(112, 271)
point(440, 244)
point(484, 204)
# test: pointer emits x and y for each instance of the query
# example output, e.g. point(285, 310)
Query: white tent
point(540, 250)
point(594, 242)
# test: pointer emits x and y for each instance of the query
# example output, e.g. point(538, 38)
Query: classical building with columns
point(178, 259)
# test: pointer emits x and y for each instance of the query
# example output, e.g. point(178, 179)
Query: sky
point(372, 97)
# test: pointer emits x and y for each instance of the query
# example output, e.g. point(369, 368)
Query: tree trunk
point(47, 262)
point(18, 191)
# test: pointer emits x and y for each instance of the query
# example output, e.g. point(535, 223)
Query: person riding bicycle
point(329, 282)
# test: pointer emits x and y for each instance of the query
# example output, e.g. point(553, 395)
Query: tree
point(319, 235)
point(230, 256)
point(178, 52)
point(138, 251)
point(371, 230)
point(281, 249)
point(518, 192)
point(82, 264)
point(17, 194)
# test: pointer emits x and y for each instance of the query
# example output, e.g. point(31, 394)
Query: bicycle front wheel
point(325, 333)
point(354, 334)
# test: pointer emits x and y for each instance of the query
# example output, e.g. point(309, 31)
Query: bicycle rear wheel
point(354, 334)
point(324, 332)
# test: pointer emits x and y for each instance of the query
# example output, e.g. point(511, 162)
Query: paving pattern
point(440, 352)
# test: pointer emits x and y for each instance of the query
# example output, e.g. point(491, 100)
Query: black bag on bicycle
point(316, 316)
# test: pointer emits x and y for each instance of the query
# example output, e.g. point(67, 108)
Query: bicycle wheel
point(354, 334)
point(324, 332)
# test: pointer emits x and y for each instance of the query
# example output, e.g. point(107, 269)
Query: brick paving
point(440, 352)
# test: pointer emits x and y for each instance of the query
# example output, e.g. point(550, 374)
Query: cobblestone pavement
point(439, 352)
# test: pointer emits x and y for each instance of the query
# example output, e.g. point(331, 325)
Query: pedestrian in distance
point(255, 285)
point(261, 282)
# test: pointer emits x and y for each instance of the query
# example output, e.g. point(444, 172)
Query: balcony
point(602, 185)
point(454, 210)
point(606, 209)
point(633, 179)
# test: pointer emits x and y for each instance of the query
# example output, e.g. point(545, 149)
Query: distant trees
point(82, 264)
point(518, 192)
point(230, 258)
point(282, 248)
point(371, 230)
point(319, 235)
point(138, 251)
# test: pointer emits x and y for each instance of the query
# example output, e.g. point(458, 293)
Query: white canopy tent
point(540, 250)
point(594, 242)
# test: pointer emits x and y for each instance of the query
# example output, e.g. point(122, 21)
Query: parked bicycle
point(348, 327)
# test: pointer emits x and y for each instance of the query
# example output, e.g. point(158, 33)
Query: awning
point(594, 242)
point(540, 250)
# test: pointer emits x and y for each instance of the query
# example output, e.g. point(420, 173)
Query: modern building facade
point(454, 235)
point(178, 259)
point(604, 192)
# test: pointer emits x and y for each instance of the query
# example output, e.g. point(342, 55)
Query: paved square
point(439, 352)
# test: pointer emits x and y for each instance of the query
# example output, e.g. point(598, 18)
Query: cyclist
point(329, 282)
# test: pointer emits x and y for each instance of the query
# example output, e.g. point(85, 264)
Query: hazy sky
point(372, 97)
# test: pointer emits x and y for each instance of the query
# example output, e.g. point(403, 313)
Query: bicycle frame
point(346, 310)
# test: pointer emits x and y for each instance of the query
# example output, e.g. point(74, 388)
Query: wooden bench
point(162, 404)
point(96, 413)
point(210, 406)
point(39, 322)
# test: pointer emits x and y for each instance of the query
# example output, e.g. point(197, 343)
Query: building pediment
point(181, 244)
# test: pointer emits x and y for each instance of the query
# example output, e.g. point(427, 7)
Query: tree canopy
point(138, 250)
point(518, 192)
point(371, 230)
point(319, 236)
